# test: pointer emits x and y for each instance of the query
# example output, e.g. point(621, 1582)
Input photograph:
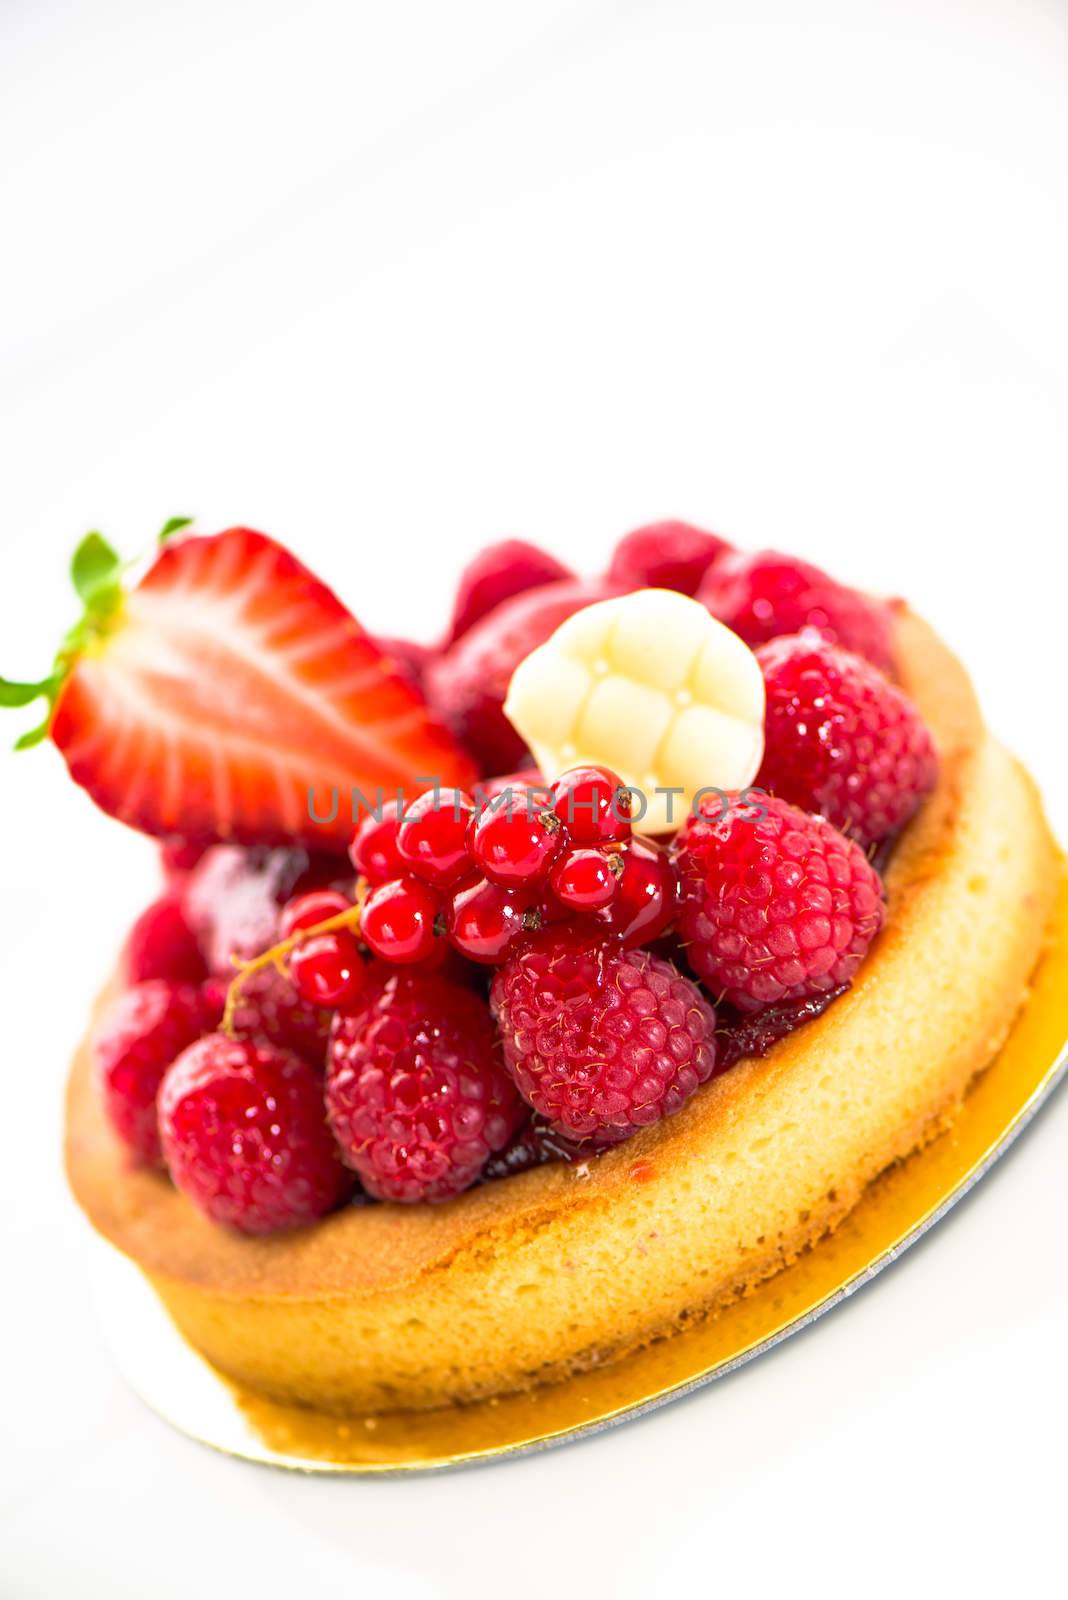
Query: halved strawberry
point(230, 695)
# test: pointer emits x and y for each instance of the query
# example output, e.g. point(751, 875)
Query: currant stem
point(276, 955)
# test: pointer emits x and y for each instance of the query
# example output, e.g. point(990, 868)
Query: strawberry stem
point(275, 956)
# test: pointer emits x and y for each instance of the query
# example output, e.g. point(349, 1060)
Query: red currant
point(327, 969)
point(397, 920)
point(586, 880)
point(373, 851)
point(484, 920)
point(516, 840)
point(432, 837)
point(593, 804)
point(645, 900)
point(307, 910)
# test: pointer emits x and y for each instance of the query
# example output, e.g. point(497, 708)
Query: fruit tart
point(510, 1003)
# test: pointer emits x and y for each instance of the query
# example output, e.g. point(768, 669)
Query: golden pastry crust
point(538, 1276)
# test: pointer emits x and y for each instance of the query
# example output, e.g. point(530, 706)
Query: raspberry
point(840, 739)
point(776, 904)
point(398, 920)
point(373, 850)
point(432, 837)
point(244, 1135)
point(410, 657)
point(601, 1040)
point(468, 683)
point(269, 1008)
point(762, 594)
point(415, 1091)
point(161, 944)
point(496, 574)
point(665, 555)
point(134, 1043)
point(233, 895)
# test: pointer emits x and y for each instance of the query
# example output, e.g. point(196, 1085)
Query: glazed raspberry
point(776, 904)
point(398, 920)
point(244, 1135)
point(409, 656)
point(840, 739)
point(308, 910)
point(496, 574)
point(665, 555)
point(602, 1041)
point(373, 850)
point(432, 837)
point(645, 903)
point(515, 840)
point(232, 899)
point(586, 879)
point(416, 1094)
point(483, 920)
point(327, 969)
point(134, 1043)
point(161, 944)
point(269, 1007)
point(467, 684)
point(762, 594)
point(593, 804)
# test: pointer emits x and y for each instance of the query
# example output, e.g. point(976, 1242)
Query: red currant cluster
point(522, 857)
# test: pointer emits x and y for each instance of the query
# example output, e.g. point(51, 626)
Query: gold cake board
point(895, 1212)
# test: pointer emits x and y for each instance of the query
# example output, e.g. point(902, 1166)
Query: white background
point(389, 281)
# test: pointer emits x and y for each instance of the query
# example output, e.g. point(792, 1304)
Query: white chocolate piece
point(652, 686)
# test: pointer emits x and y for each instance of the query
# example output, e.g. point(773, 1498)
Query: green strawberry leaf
point(173, 525)
point(35, 736)
point(24, 694)
point(94, 571)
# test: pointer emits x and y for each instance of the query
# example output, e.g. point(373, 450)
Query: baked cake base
point(533, 1279)
point(894, 1212)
